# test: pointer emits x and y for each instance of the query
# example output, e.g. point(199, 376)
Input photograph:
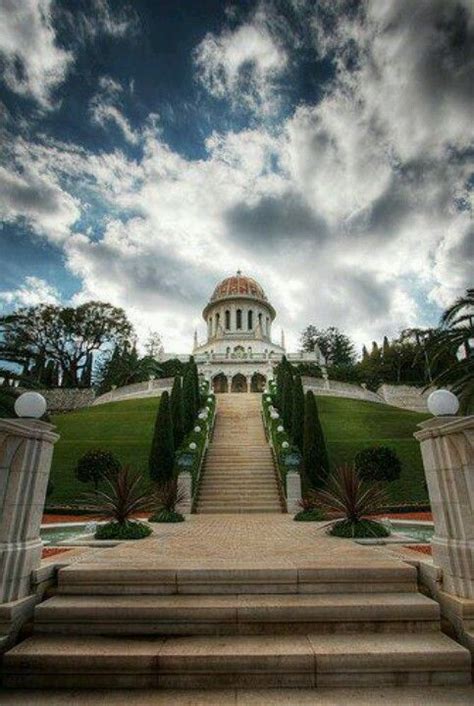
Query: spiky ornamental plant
point(161, 459)
point(189, 400)
point(347, 495)
point(297, 420)
point(287, 400)
point(176, 403)
point(315, 456)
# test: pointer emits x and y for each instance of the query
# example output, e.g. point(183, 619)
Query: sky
point(151, 148)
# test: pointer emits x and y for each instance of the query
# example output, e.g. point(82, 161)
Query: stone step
point(236, 661)
point(209, 493)
point(236, 510)
point(236, 614)
point(381, 577)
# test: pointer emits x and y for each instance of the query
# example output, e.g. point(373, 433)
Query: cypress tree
point(189, 400)
point(315, 457)
point(297, 421)
point(176, 403)
point(280, 382)
point(287, 401)
point(161, 459)
point(197, 392)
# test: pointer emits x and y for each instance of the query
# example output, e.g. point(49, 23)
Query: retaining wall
point(151, 388)
point(402, 396)
point(66, 400)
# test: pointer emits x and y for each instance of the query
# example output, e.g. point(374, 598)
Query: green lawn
point(125, 428)
point(351, 425)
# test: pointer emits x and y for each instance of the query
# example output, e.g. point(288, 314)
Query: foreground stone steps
point(382, 577)
point(236, 661)
point(236, 614)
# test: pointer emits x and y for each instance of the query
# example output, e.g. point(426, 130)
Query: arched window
point(260, 321)
point(238, 320)
point(227, 319)
point(227, 353)
point(268, 326)
point(249, 351)
point(250, 319)
point(209, 326)
point(217, 323)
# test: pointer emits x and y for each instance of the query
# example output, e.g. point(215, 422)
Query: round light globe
point(193, 446)
point(280, 428)
point(285, 445)
point(443, 403)
point(31, 405)
point(197, 429)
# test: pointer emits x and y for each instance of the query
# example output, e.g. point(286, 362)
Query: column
point(447, 448)
point(229, 383)
point(249, 383)
point(26, 449)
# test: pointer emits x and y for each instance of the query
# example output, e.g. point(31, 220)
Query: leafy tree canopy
point(336, 348)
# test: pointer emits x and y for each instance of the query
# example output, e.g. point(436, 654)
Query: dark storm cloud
point(275, 220)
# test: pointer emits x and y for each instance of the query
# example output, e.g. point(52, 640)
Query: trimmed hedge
point(365, 529)
point(378, 463)
point(129, 530)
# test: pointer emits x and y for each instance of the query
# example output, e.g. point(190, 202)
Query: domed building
point(239, 354)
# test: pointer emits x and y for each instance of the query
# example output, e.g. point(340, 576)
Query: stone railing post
point(293, 492)
point(447, 448)
point(185, 487)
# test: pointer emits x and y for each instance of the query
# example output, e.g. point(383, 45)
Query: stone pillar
point(293, 492)
point(249, 383)
point(26, 449)
point(229, 383)
point(185, 486)
point(447, 448)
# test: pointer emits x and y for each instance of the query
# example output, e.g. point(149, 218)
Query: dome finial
point(239, 272)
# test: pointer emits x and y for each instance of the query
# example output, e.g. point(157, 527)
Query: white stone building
point(239, 354)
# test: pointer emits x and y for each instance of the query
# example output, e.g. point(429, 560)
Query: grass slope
point(125, 428)
point(351, 425)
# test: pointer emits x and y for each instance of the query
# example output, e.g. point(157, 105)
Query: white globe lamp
point(443, 403)
point(280, 428)
point(197, 429)
point(193, 446)
point(30, 405)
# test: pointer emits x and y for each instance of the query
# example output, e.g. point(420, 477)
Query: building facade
point(239, 354)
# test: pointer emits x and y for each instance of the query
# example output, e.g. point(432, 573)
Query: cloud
point(32, 292)
point(104, 110)
point(39, 201)
point(33, 63)
point(243, 65)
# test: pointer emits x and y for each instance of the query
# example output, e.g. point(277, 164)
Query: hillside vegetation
point(126, 428)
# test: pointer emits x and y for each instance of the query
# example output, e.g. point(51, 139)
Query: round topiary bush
point(314, 515)
point(364, 529)
point(378, 463)
point(166, 516)
point(96, 465)
point(127, 530)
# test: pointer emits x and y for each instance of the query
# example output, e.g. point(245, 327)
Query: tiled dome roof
point(238, 285)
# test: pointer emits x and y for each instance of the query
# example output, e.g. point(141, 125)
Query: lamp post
point(26, 449)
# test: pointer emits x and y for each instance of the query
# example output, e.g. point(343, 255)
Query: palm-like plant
point(455, 338)
point(164, 500)
point(122, 497)
point(347, 495)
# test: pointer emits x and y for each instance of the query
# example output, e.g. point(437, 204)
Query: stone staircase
point(238, 474)
point(237, 628)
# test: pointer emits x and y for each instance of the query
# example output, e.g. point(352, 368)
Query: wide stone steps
point(236, 614)
point(236, 661)
point(330, 579)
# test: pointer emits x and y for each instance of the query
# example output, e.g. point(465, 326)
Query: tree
point(86, 377)
point(95, 466)
point(287, 400)
point(315, 457)
point(161, 459)
point(378, 463)
point(176, 403)
point(154, 345)
point(124, 367)
point(195, 374)
point(335, 347)
point(189, 400)
point(67, 335)
point(454, 341)
point(297, 421)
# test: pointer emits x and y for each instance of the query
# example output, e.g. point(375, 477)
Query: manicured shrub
point(190, 402)
point(95, 466)
point(287, 400)
point(166, 516)
point(161, 460)
point(176, 404)
point(364, 529)
point(297, 420)
point(127, 530)
point(314, 515)
point(165, 499)
point(315, 456)
point(378, 463)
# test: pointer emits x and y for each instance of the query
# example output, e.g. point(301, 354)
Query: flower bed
point(190, 455)
point(287, 456)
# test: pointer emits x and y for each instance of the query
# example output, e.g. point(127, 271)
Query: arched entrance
point(219, 383)
point(258, 382)
point(239, 383)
